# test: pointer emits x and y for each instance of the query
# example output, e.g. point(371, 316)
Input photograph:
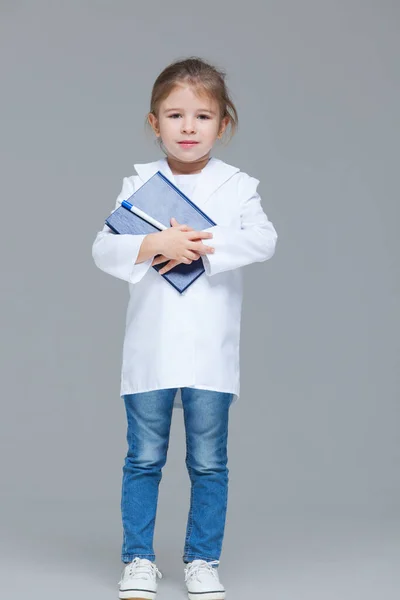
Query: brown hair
point(204, 77)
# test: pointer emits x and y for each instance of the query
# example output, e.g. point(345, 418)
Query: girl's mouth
point(187, 144)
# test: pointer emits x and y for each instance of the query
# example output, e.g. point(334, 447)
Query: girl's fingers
point(182, 227)
point(159, 259)
point(197, 235)
point(193, 255)
point(170, 265)
point(201, 248)
point(185, 228)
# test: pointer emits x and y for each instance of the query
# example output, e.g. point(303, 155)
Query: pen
point(140, 213)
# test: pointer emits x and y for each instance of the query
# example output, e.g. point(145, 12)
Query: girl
point(190, 341)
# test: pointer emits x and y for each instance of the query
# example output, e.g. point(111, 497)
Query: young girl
point(190, 341)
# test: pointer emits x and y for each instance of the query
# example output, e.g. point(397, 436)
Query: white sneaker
point(139, 580)
point(202, 581)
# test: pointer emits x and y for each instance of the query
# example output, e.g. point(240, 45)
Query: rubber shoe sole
point(137, 594)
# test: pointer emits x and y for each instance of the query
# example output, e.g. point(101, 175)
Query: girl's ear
point(223, 126)
point(152, 119)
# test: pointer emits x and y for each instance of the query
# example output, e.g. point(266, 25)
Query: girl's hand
point(194, 249)
point(160, 258)
point(172, 263)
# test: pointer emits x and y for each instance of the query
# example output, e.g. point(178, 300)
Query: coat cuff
point(236, 248)
point(116, 254)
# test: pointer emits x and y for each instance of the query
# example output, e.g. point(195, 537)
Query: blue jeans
point(206, 424)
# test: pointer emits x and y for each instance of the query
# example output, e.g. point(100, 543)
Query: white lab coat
point(175, 340)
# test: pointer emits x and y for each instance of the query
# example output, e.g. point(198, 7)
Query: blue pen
point(140, 213)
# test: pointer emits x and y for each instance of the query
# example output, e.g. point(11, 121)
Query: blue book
point(161, 199)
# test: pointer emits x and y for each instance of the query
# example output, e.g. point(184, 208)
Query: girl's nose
point(188, 127)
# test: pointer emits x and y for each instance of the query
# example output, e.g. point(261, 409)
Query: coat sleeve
point(115, 253)
point(255, 241)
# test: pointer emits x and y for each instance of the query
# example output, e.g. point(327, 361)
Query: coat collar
point(214, 174)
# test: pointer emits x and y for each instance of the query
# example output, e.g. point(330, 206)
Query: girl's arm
point(117, 254)
point(254, 242)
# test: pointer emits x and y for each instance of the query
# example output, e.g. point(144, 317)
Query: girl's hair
point(204, 77)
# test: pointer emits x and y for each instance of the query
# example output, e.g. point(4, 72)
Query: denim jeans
point(206, 425)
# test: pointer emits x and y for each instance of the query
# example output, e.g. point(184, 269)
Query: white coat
point(175, 340)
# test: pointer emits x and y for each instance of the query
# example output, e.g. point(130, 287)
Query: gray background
point(313, 444)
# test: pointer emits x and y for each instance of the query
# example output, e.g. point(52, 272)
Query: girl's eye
point(178, 115)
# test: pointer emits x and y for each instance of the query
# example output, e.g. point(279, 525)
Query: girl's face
point(185, 117)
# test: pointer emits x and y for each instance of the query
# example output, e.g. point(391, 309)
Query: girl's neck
point(179, 167)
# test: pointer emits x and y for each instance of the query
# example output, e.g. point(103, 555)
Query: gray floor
point(73, 550)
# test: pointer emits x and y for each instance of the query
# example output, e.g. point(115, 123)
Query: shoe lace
point(194, 570)
point(145, 568)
